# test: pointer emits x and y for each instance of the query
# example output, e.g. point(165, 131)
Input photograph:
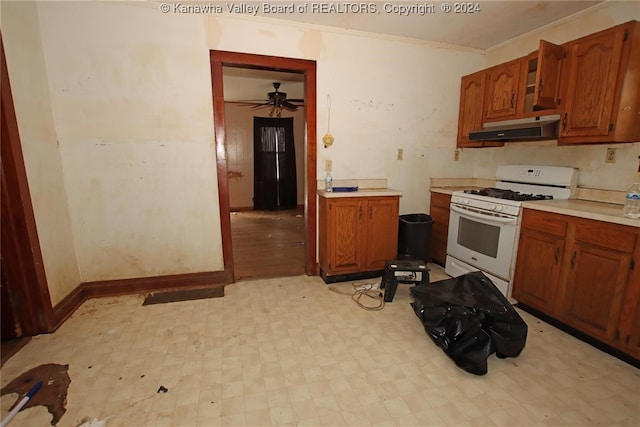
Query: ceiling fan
point(277, 101)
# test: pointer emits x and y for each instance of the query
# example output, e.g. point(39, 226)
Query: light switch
point(399, 153)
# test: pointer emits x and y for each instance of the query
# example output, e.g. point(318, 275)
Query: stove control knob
point(499, 208)
point(491, 207)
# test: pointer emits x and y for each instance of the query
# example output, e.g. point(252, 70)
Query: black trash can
point(414, 236)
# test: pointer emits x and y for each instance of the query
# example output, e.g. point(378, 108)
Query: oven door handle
point(488, 218)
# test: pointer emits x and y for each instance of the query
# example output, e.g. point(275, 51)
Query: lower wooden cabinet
point(357, 235)
point(439, 211)
point(631, 344)
point(539, 256)
point(582, 273)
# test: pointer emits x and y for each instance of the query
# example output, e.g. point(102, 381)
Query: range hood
point(529, 129)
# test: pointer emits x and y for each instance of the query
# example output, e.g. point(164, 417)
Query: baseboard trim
point(619, 354)
point(140, 285)
point(106, 288)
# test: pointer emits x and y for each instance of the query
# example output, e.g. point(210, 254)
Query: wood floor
point(268, 243)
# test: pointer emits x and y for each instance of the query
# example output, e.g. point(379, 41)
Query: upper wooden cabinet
point(501, 95)
point(471, 113)
point(602, 87)
point(592, 82)
point(541, 78)
point(520, 88)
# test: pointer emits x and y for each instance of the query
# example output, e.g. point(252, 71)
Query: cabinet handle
point(370, 212)
point(360, 211)
point(540, 86)
point(564, 121)
point(513, 99)
point(573, 260)
point(557, 255)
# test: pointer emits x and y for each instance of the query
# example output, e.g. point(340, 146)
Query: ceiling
point(492, 23)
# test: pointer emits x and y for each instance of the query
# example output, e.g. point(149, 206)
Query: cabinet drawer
point(610, 236)
point(440, 200)
point(545, 222)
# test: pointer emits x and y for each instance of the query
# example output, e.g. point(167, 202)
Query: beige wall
point(130, 102)
point(114, 104)
point(239, 133)
point(32, 102)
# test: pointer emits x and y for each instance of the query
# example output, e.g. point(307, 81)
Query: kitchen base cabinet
point(540, 251)
point(439, 211)
point(582, 273)
point(357, 236)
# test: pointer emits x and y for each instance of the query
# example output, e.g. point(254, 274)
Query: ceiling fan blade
point(295, 99)
point(266, 104)
point(245, 103)
point(289, 106)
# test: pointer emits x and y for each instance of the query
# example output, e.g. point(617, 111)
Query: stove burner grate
point(500, 193)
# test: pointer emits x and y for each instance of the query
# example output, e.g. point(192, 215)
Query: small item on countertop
point(632, 202)
point(344, 189)
point(328, 183)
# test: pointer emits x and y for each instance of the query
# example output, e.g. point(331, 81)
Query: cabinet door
point(439, 211)
point(547, 87)
point(345, 235)
point(632, 343)
point(471, 108)
point(501, 96)
point(381, 232)
point(595, 289)
point(537, 272)
point(591, 84)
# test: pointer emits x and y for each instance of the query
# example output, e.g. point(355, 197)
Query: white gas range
point(484, 224)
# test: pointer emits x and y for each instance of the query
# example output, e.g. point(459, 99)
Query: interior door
point(275, 185)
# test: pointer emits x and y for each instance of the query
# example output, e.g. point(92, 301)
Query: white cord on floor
point(364, 289)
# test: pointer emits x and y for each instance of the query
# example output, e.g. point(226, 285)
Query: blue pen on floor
point(20, 404)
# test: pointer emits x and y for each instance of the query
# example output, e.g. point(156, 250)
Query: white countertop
point(362, 192)
point(590, 209)
point(600, 211)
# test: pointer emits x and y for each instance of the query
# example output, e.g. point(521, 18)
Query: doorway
point(274, 164)
point(307, 212)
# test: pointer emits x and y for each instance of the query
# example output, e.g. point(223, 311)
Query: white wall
point(32, 102)
point(124, 91)
point(590, 159)
point(386, 93)
point(130, 95)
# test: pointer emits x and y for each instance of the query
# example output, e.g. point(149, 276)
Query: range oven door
point(485, 240)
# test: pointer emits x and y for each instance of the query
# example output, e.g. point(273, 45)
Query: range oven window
point(479, 237)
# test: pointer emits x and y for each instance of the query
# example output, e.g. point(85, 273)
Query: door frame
point(306, 67)
point(22, 262)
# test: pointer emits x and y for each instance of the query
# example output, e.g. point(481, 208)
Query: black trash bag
point(470, 319)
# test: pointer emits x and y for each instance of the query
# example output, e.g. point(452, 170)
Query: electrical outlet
point(611, 155)
point(399, 154)
point(328, 165)
point(456, 155)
